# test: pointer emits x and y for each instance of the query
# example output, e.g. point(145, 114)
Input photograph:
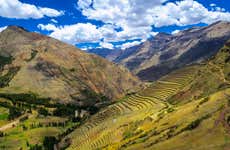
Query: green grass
point(4, 116)
point(33, 131)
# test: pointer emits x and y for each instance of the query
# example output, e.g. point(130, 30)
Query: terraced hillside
point(180, 111)
point(99, 130)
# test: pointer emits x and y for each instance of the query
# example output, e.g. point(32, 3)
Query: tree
point(49, 142)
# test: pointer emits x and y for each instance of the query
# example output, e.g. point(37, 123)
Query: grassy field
point(33, 130)
point(4, 113)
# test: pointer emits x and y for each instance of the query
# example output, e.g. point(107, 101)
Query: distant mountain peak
point(16, 28)
point(163, 35)
point(220, 23)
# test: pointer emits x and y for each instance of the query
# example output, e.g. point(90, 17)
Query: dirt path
point(14, 123)
point(9, 125)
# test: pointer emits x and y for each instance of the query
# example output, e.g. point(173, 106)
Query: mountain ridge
point(165, 52)
point(53, 64)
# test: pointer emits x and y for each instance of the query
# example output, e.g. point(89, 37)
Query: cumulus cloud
point(129, 44)
point(2, 28)
point(48, 27)
point(186, 12)
point(18, 10)
point(138, 14)
point(133, 19)
point(106, 45)
point(73, 34)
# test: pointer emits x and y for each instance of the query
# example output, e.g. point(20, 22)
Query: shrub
point(5, 60)
point(65, 110)
point(204, 100)
point(1, 134)
point(35, 147)
point(72, 70)
point(14, 113)
point(49, 142)
point(169, 110)
point(43, 111)
point(4, 80)
point(33, 55)
point(194, 124)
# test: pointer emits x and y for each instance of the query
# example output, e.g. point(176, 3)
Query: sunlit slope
point(34, 63)
point(202, 124)
point(110, 125)
point(187, 109)
point(199, 117)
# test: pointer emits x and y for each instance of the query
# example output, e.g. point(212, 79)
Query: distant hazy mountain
point(165, 53)
point(33, 63)
point(187, 47)
point(103, 52)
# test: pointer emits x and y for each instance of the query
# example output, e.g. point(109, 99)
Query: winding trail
point(14, 123)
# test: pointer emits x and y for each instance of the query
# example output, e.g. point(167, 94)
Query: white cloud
point(175, 31)
point(212, 5)
point(73, 34)
point(143, 14)
point(129, 44)
point(19, 10)
point(186, 12)
point(133, 19)
point(2, 28)
point(48, 27)
point(54, 20)
point(106, 45)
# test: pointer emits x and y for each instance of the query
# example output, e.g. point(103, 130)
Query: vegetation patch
point(4, 116)
point(5, 60)
point(30, 98)
point(33, 55)
point(5, 79)
point(49, 142)
point(14, 113)
point(206, 99)
point(194, 124)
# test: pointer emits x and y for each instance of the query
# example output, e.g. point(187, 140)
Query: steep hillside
point(187, 109)
point(48, 68)
point(165, 53)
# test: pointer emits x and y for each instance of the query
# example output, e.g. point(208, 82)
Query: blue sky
point(110, 23)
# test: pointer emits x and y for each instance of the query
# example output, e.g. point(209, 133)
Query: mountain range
point(164, 53)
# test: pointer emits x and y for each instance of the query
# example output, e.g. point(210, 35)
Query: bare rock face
point(51, 68)
point(165, 53)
